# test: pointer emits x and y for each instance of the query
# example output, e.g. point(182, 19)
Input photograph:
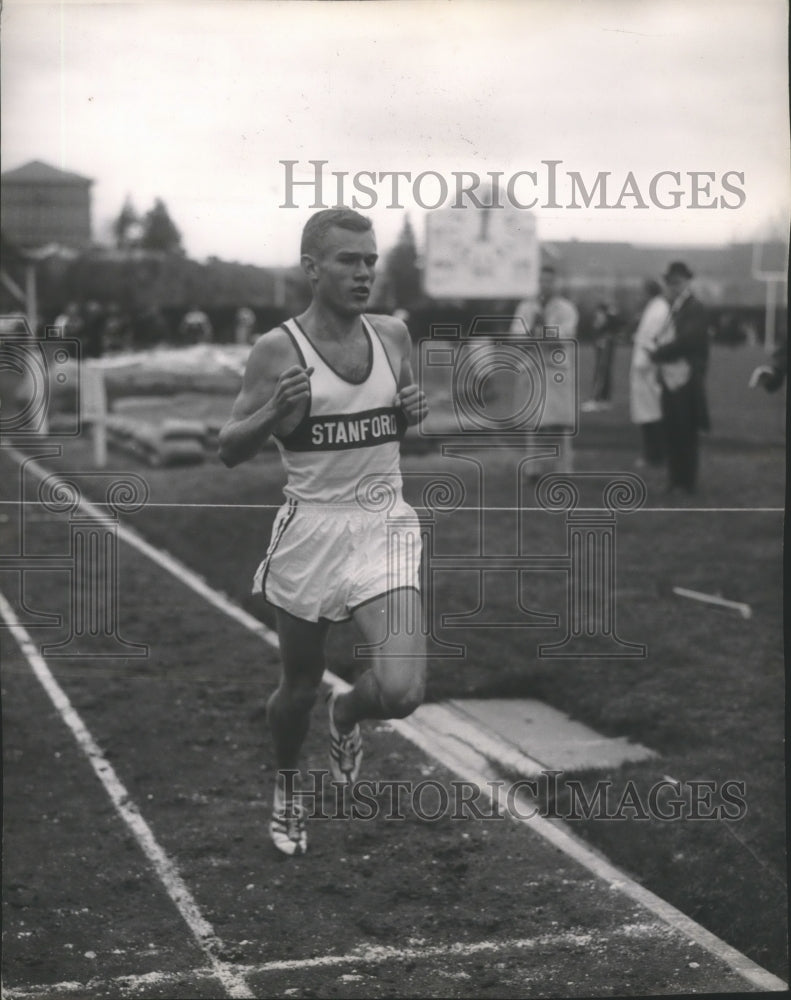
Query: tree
point(126, 228)
point(402, 271)
point(159, 230)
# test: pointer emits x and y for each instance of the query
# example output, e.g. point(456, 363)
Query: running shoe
point(287, 827)
point(346, 749)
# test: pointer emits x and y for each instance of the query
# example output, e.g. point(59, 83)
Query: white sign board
point(481, 253)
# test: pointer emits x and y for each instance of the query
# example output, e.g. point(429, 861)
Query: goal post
point(770, 265)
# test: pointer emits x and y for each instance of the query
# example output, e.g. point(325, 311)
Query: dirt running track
point(380, 908)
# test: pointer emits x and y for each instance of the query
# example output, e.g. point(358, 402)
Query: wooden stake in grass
point(93, 408)
point(744, 609)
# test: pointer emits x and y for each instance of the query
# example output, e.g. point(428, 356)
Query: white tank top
point(351, 430)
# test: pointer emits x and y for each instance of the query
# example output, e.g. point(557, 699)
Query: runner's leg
point(394, 685)
point(288, 709)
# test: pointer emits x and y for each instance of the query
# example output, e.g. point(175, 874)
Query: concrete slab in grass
point(547, 736)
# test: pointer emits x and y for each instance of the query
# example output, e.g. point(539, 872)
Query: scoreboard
point(480, 253)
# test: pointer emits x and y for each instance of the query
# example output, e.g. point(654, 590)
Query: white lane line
point(364, 955)
point(202, 930)
point(420, 730)
point(165, 560)
point(468, 763)
point(377, 954)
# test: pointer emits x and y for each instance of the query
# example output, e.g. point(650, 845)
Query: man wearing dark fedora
point(682, 357)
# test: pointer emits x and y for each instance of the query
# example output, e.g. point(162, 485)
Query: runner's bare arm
point(411, 397)
point(398, 344)
point(274, 388)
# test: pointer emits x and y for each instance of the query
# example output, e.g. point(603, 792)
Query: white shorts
point(323, 562)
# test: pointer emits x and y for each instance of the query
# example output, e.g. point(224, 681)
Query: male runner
point(335, 390)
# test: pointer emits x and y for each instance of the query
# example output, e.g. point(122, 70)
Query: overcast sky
point(198, 103)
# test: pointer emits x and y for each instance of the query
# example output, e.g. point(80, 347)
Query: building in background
point(42, 205)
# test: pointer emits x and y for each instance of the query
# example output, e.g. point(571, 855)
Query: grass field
point(709, 695)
